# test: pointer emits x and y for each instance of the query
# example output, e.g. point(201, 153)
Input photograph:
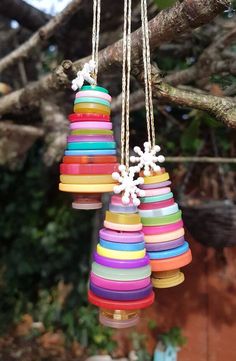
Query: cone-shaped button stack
point(90, 157)
point(163, 231)
point(120, 279)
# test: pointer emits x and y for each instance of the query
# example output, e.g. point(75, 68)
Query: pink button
point(117, 201)
point(123, 227)
point(93, 94)
point(157, 192)
point(162, 229)
point(156, 205)
point(119, 285)
point(90, 125)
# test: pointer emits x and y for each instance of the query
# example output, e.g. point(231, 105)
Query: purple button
point(121, 237)
point(121, 295)
point(155, 185)
point(124, 264)
point(162, 246)
point(90, 138)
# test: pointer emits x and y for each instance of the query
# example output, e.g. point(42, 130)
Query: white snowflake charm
point(128, 185)
point(84, 75)
point(147, 159)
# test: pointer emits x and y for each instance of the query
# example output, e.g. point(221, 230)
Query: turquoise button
point(163, 197)
point(90, 152)
point(94, 87)
point(92, 100)
point(90, 145)
point(169, 253)
point(122, 246)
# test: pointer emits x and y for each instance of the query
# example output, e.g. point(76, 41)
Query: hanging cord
point(95, 35)
point(126, 68)
point(147, 75)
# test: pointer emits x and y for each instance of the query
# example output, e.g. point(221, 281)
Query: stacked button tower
point(90, 157)
point(163, 231)
point(120, 279)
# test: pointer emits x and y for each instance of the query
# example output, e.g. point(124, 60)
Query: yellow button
point(122, 218)
point(110, 253)
point(156, 178)
point(86, 188)
point(92, 108)
point(167, 279)
point(84, 179)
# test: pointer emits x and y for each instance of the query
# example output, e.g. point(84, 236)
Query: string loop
point(126, 69)
point(147, 75)
point(95, 35)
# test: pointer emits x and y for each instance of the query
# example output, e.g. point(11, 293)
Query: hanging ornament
point(147, 159)
point(163, 231)
point(160, 215)
point(128, 185)
point(120, 278)
point(90, 156)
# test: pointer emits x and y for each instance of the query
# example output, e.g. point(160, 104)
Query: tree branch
point(200, 160)
point(168, 24)
point(222, 109)
point(26, 15)
point(44, 33)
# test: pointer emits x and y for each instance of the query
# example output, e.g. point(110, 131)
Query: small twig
point(200, 160)
point(21, 66)
point(6, 127)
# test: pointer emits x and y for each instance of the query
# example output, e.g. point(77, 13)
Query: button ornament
point(90, 156)
point(120, 283)
point(161, 220)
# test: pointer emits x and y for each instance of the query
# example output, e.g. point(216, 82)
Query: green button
point(163, 197)
point(161, 221)
point(92, 100)
point(94, 87)
point(91, 145)
point(131, 274)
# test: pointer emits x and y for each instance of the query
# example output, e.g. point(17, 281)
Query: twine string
point(96, 34)
point(147, 75)
point(126, 69)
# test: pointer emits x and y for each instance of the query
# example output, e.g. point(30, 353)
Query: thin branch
point(7, 128)
point(221, 108)
point(37, 39)
point(200, 160)
point(167, 25)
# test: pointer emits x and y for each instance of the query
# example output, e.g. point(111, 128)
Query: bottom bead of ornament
point(87, 201)
point(167, 279)
point(119, 318)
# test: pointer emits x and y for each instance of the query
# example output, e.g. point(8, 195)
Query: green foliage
point(44, 242)
point(92, 333)
point(173, 338)
point(152, 324)
point(162, 4)
point(226, 80)
point(190, 137)
point(139, 346)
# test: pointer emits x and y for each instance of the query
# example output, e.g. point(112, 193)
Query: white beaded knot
point(128, 184)
point(147, 159)
point(84, 75)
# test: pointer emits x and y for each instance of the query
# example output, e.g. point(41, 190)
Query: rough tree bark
point(168, 24)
